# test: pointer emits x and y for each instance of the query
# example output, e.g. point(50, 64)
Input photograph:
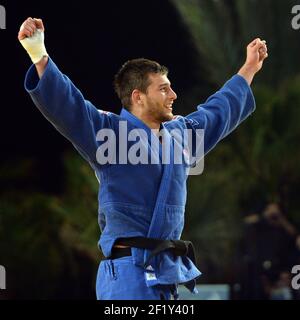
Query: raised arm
point(57, 97)
point(232, 104)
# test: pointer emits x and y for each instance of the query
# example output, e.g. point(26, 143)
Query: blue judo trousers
point(137, 200)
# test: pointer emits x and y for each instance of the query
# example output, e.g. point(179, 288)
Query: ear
point(136, 97)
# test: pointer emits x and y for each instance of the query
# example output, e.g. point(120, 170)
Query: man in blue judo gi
point(141, 203)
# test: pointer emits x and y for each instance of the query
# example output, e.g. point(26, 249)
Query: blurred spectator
point(266, 255)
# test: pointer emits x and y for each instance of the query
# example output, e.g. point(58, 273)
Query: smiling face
point(145, 90)
point(158, 100)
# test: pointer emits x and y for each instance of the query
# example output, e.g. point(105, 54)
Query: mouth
point(169, 106)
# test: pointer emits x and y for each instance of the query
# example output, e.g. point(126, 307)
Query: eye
point(164, 89)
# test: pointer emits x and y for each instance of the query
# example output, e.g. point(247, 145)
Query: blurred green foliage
point(221, 30)
point(48, 243)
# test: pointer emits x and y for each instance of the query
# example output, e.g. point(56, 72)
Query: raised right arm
point(58, 99)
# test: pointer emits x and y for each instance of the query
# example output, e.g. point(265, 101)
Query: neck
point(151, 123)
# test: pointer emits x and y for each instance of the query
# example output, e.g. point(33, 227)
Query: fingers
point(263, 50)
point(254, 42)
point(29, 27)
point(39, 24)
point(259, 46)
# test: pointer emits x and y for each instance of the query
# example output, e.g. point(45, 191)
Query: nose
point(173, 94)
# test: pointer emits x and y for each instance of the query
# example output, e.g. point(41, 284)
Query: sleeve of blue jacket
point(223, 111)
point(65, 107)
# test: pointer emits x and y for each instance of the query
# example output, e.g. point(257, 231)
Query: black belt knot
point(157, 246)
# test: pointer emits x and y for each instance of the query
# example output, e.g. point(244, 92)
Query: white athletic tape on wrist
point(35, 46)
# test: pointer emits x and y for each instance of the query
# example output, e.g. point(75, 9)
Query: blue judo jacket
point(138, 199)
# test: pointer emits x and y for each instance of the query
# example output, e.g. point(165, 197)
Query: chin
point(168, 117)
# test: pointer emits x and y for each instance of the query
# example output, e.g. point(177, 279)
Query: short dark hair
point(134, 74)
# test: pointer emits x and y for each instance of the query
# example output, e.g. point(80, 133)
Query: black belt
point(120, 252)
point(156, 246)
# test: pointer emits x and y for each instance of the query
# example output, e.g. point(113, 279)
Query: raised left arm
point(232, 104)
